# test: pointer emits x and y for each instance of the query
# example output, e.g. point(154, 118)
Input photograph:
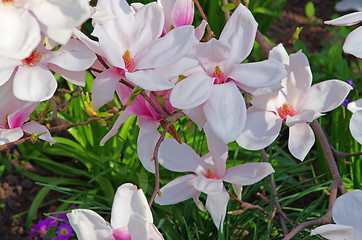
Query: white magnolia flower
point(23, 23)
point(296, 104)
point(131, 218)
point(355, 124)
point(346, 5)
point(347, 214)
point(208, 175)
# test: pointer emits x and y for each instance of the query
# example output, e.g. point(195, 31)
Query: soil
point(17, 192)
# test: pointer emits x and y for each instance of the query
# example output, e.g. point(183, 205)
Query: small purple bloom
point(345, 102)
point(52, 221)
point(350, 82)
point(40, 228)
point(65, 231)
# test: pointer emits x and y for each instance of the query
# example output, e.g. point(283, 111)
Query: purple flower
point(40, 228)
point(52, 221)
point(345, 102)
point(350, 82)
point(65, 231)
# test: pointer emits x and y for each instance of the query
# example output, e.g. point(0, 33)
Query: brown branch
point(264, 44)
point(210, 34)
point(100, 59)
point(247, 205)
point(275, 197)
point(155, 159)
point(344, 155)
point(226, 13)
point(336, 177)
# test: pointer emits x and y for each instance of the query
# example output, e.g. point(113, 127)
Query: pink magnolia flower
point(352, 44)
point(355, 124)
point(212, 89)
point(296, 104)
point(347, 214)
point(208, 175)
point(131, 44)
point(14, 114)
point(33, 80)
point(27, 20)
point(131, 218)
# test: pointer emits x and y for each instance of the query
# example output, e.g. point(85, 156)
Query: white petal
point(248, 173)
point(347, 210)
point(198, 203)
point(216, 206)
point(7, 67)
point(351, 44)
point(200, 30)
point(355, 126)
point(212, 53)
point(178, 157)
point(326, 96)
point(74, 56)
point(259, 74)
point(279, 53)
point(207, 185)
point(355, 106)
point(240, 28)
point(225, 111)
point(104, 87)
point(77, 78)
point(138, 227)
point(127, 201)
point(34, 84)
point(192, 91)
point(261, 129)
point(88, 225)
point(149, 80)
point(146, 142)
point(216, 146)
point(10, 135)
point(37, 129)
point(120, 120)
point(21, 33)
point(196, 115)
point(59, 35)
point(238, 190)
point(168, 49)
point(346, 5)
point(346, 20)
point(301, 140)
point(334, 232)
point(177, 191)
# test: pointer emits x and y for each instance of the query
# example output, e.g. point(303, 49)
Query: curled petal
point(301, 140)
point(334, 232)
point(37, 128)
point(120, 120)
point(355, 126)
point(216, 206)
point(346, 20)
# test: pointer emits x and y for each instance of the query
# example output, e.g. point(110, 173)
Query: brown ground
point(17, 193)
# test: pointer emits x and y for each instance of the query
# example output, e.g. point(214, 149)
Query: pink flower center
point(7, 1)
point(32, 59)
point(122, 234)
point(128, 61)
point(210, 174)
point(286, 110)
point(218, 75)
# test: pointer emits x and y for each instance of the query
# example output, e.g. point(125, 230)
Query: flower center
point(218, 75)
point(128, 61)
point(64, 231)
point(210, 174)
point(7, 1)
point(286, 110)
point(32, 59)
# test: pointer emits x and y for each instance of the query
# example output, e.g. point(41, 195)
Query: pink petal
point(177, 191)
point(240, 28)
point(146, 142)
point(77, 78)
point(183, 12)
point(149, 80)
point(196, 115)
point(192, 91)
point(31, 127)
point(216, 206)
point(200, 30)
point(248, 173)
point(261, 129)
point(34, 83)
point(170, 156)
point(21, 115)
point(120, 120)
point(301, 140)
point(128, 201)
point(122, 233)
point(216, 146)
point(225, 111)
point(346, 20)
point(212, 53)
point(104, 87)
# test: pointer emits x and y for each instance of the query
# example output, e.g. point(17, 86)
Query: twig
point(344, 155)
point(336, 177)
point(226, 13)
point(100, 59)
point(264, 44)
point(275, 197)
point(247, 205)
point(210, 34)
point(155, 159)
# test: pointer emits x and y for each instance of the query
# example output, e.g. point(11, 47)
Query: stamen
point(32, 59)
point(218, 75)
point(128, 61)
point(210, 174)
point(286, 110)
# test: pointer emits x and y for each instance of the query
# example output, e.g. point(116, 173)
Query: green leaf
point(309, 10)
point(228, 7)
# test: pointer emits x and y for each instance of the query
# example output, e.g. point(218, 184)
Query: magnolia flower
point(23, 21)
point(346, 5)
point(352, 44)
point(33, 80)
point(347, 214)
point(13, 116)
point(131, 44)
point(296, 104)
point(355, 124)
point(209, 172)
point(131, 218)
point(212, 89)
